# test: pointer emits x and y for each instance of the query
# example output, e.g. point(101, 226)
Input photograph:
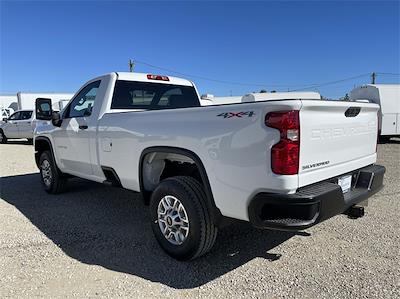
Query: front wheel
point(3, 138)
point(181, 220)
point(52, 178)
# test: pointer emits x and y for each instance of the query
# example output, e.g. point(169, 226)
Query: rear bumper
point(315, 203)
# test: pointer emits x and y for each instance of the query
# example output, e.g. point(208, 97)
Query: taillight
point(157, 77)
point(285, 154)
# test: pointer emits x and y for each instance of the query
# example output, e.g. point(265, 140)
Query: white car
point(20, 124)
point(279, 164)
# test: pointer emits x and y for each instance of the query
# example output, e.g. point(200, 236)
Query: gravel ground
point(95, 241)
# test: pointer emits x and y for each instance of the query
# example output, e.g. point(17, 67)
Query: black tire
point(3, 138)
point(48, 168)
point(384, 139)
point(202, 231)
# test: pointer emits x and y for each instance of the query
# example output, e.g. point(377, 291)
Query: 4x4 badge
point(237, 114)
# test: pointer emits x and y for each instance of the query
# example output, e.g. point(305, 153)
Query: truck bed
point(234, 144)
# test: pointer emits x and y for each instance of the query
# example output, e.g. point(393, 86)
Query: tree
point(345, 98)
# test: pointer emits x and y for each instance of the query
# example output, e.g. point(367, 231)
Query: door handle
point(83, 127)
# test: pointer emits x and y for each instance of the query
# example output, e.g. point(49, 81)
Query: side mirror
point(56, 119)
point(43, 109)
point(5, 119)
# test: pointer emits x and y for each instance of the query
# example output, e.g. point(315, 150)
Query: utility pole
point(373, 77)
point(131, 65)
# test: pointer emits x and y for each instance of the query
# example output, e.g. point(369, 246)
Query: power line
point(216, 80)
point(390, 74)
point(333, 82)
point(303, 86)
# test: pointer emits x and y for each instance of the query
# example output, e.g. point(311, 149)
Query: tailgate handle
point(352, 111)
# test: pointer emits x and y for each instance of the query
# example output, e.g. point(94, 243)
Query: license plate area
point(345, 183)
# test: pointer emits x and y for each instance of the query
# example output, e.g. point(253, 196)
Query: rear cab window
point(153, 96)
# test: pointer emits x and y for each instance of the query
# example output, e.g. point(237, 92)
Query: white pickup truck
point(280, 164)
point(20, 124)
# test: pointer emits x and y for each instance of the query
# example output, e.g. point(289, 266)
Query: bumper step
point(315, 203)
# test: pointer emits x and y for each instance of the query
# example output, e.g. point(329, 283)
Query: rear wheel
point(384, 139)
point(3, 138)
point(181, 221)
point(52, 178)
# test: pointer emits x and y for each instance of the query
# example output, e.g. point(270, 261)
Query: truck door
point(72, 141)
point(10, 128)
point(25, 128)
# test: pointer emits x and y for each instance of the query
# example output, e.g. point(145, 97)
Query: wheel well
point(157, 166)
point(160, 162)
point(41, 145)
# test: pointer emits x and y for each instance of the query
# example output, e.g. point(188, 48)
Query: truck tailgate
point(335, 138)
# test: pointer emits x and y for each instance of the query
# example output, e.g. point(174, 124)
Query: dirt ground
point(96, 241)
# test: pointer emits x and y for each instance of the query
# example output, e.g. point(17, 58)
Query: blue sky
point(48, 46)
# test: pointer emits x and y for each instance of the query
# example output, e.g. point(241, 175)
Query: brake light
point(157, 77)
point(285, 154)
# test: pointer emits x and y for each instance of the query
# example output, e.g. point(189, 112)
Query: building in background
point(9, 103)
point(26, 100)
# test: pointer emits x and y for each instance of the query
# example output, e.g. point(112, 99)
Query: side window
point(82, 104)
point(26, 114)
point(15, 116)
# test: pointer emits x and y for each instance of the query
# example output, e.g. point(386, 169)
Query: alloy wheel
point(173, 220)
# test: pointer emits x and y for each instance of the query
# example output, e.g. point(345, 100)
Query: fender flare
point(215, 212)
point(47, 140)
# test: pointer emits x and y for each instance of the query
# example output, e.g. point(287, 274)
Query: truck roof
point(290, 95)
point(383, 85)
point(258, 97)
point(143, 77)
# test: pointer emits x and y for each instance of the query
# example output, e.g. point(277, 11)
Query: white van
point(388, 98)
